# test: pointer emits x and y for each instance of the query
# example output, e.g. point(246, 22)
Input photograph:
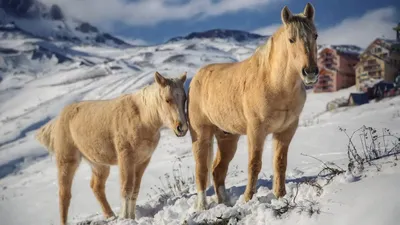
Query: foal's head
point(300, 36)
point(172, 103)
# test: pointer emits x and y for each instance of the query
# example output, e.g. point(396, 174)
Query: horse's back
point(215, 96)
point(89, 125)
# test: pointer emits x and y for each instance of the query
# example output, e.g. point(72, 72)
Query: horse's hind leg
point(281, 145)
point(99, 177)
point(201, 147)
point(227, 145)
point(68, 160)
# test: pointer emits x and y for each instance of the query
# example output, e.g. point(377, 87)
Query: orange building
point(336, 65)
point(379, 61)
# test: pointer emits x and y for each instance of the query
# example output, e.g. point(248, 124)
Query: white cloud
point(269, 30)
point(363, 30)
point(150, 12)
point(359, 31)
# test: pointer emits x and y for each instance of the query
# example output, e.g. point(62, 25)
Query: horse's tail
point(45, 135)
point(210, 159)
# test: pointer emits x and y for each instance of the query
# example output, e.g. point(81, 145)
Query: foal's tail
point(45, 135)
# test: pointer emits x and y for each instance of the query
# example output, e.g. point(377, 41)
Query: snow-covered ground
point(34, 88)
point(29, 187)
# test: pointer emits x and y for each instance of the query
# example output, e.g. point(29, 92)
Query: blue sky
point(155, 21)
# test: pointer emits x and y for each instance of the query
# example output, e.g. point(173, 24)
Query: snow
point(32, 95)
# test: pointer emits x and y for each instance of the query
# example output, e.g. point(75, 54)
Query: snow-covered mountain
point(235, 35)
point(48, 22)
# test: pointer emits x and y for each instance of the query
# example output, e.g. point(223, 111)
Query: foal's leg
point(127, 176)
point(201, 147)
point(139, 170)
point(99, 177)
point(281, 144)
point(68, 160)
point(256, 138)
point(227, 145)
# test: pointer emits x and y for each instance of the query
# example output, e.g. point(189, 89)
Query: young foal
point(261, 95)
point(123, 131)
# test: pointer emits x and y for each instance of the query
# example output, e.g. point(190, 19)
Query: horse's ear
point(182, 78)
point(286, 15)
point(162, 81)
point(309, 11)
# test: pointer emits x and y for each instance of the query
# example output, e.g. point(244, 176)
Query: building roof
point(359, 98)
point(386, 43)
point(342, 49)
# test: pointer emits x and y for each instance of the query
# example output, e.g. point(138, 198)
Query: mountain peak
point(50, 23)
point(237, 35)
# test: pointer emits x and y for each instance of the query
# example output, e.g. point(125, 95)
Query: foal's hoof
point(125, 216)
point(200, 206)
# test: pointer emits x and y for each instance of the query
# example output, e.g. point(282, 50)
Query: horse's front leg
point(139, 170)
point(201, 148)
point(256, 137)
point(127, 177)
point(281, 146)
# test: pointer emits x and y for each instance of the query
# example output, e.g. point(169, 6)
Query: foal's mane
point(150, 94)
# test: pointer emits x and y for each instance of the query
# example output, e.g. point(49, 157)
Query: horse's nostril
point(307, 71)
point(304, 72)
point(316, 71)
point(179, 128)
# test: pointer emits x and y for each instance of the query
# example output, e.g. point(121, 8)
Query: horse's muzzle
point(181, 130)
point(310, 75)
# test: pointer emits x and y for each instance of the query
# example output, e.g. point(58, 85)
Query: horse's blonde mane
point(299, 26)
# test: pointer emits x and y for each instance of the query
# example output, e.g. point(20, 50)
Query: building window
point(371, 61)
point(378, 50)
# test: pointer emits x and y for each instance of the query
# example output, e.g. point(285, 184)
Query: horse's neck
point(148, 103)
point(278, 70)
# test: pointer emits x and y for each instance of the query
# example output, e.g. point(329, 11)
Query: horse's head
point(172, 103)
point(300, 36)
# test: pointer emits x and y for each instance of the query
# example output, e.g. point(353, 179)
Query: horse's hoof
point(280, 193)
point(110, 215)
point(112, 218)
point(248, 196)
point(223, 197)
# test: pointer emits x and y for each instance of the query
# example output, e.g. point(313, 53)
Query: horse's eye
point(168, 100)
point(291, 40)
point(316, 36)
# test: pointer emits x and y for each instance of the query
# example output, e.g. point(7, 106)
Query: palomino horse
point(123, 131)
point(261, 95)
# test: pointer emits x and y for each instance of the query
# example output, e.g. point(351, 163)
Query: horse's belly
point(231, 121)
point(99, 152)
point(97, 147)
